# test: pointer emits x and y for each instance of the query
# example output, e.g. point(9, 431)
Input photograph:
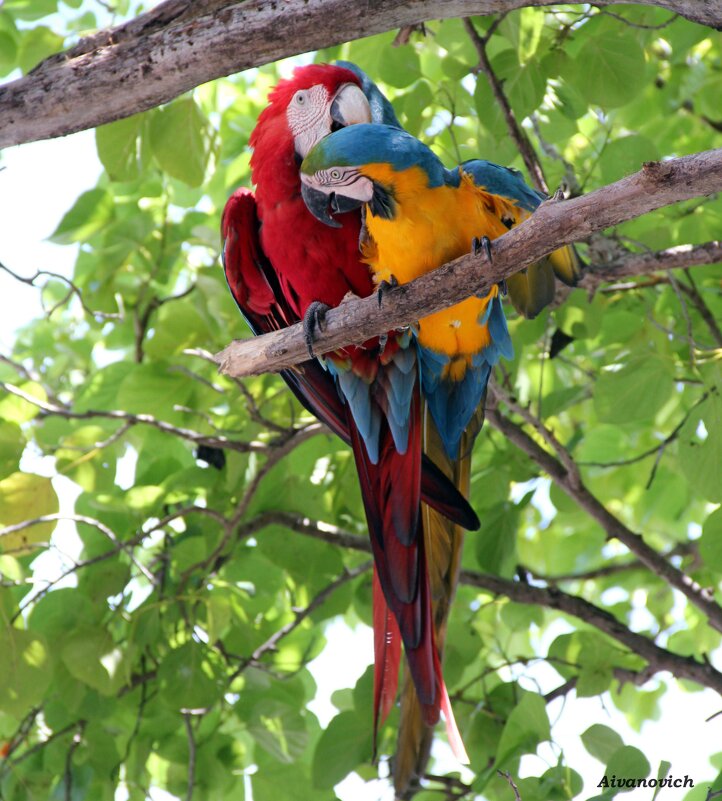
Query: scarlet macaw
point(280, 262)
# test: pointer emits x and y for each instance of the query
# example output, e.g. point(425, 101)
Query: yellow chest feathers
point(432, 226)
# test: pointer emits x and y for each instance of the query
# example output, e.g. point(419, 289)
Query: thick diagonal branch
point(181, 44)
point(554, 224)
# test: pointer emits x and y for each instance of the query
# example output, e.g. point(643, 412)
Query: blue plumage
point(452, 404)
point(374, 143)
point(503, 181)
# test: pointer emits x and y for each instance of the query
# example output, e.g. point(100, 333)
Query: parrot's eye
point(300, 98)
point(335, 174)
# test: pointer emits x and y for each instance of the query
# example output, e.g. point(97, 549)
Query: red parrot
point(283, 264)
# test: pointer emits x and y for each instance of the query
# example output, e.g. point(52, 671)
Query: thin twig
point(191, 755)
point(73, 290)
point(196, 437)
point(301, 615)
point(531, 160)
point(506, 775)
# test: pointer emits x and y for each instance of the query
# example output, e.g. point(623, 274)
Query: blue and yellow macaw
point(418, 215)
point(531, 289)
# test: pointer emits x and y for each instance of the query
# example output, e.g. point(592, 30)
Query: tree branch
point(212, 441)
point(531, 160)
point(571, 484)
point(659, 659)
point(674, 258)
point(555, 223)
point(181, 44)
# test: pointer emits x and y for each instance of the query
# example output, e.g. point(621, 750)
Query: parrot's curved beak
point(350, 106)
point(317, 203)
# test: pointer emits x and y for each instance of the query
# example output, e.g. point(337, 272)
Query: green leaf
point(627, 763)
point(399, 66)
point(496, 540)
point(36, 45)
point(24, 497)
point(279, 729)
point(25, 670)
point(179, 140)
point(710, 543)
point(188, 679)
point(706, 98)
point(601, 742)
point(700, 449)
point(610, 70)
point(523, 85)
point(8, 49)
point(345, 742)
point(525, 728)
point(119, 148)
point(12, 444)
point(662, 772)
point(625, 156)
point(92, 212)
point(92, 657)
point(149, 389)
point(31, 9)
point(14, 409)
point(634, 393)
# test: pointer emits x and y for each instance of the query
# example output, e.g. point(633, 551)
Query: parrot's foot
point(384, 287)
point(314, 319)
point(481, 245)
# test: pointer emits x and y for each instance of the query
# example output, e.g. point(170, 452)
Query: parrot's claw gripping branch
point(481, 245)
point(314, 320)
point(384, 287)
point(551, 226)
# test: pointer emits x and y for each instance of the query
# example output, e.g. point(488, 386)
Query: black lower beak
point(340, 204)
point(317, 203)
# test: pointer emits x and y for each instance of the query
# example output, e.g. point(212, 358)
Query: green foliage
point(181, 638)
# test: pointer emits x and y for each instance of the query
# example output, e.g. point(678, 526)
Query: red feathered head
point(318, 99)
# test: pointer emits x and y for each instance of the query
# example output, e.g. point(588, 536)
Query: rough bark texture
point(555, 223)
point(183, 43)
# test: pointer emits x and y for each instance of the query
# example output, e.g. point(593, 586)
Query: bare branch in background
point(181, 44)
point(213, 441)
point(521, 140)
point(572, 485)
point(73, 290)
point(659, 659)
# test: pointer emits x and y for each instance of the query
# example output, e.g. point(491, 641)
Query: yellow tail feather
point(567, 265)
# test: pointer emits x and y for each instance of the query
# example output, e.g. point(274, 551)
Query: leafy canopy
point(174, 655)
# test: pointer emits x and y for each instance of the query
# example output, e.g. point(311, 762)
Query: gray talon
point(314, 319)
point(384, 286)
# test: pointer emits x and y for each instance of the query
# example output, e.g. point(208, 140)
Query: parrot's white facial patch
point(313, 113)
point(345, 181)
point(309, 117)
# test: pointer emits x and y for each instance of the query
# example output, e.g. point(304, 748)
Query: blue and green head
point(361, 164)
